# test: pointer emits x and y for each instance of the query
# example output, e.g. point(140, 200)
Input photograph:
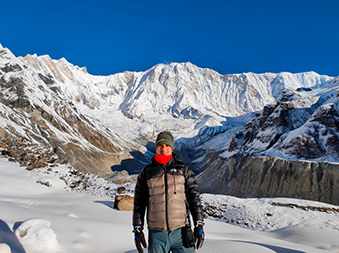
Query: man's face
point(163, 149)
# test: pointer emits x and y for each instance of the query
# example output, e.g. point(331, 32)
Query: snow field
point(38, 218)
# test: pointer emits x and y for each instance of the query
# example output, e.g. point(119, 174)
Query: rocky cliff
point(249, 176)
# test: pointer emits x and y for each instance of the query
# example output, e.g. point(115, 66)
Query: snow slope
point(37, 218)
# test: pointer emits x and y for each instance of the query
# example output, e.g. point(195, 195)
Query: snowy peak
point(7, 58)
point(60, 69)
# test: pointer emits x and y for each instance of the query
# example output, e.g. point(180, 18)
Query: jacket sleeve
point(193, 196)
point(140, 199)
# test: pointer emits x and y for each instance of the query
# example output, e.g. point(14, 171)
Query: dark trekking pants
point(163, 242)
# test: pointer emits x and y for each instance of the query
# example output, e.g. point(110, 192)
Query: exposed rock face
point(250, 176)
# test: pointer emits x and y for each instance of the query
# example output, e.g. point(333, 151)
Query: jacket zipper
point(166, 199)
point(175, 187)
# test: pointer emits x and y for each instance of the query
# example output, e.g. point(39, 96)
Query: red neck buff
point(163, 159)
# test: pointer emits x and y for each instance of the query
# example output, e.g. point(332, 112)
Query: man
point(168, 190)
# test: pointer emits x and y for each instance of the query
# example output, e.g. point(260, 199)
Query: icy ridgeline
point(96, 122)
point(40, 212)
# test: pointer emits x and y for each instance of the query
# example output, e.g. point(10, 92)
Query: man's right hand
point(139, 238)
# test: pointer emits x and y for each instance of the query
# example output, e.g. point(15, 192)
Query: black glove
point(139, 238)
point(199, 234)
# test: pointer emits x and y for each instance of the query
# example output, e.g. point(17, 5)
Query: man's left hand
point(199, 234)
point(139, 239)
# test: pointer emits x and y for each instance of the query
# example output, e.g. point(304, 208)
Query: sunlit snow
point(37, 218)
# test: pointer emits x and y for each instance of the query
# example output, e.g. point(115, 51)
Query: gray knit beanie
point(165, 138)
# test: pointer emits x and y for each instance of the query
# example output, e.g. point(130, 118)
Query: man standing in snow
point(168, 190)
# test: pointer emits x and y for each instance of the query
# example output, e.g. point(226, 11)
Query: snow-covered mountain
point(180, 96)
point(106, 120)
point(300, 125)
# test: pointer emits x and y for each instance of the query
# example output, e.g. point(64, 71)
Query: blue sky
point(228, 36)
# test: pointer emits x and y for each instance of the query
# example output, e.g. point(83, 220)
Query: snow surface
point(37, 218)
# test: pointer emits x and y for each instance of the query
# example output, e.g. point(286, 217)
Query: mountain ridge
point(77, 108)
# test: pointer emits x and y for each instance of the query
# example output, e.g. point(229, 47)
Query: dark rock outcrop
point(249, 176)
